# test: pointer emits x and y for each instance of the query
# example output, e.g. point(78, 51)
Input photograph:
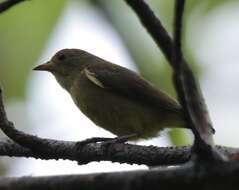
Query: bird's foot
point(121, 139)
point(93, 140)
point(103, 140)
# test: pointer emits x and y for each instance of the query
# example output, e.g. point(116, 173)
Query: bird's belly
point(117, 114)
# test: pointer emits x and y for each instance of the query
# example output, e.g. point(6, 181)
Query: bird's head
point(66, 65)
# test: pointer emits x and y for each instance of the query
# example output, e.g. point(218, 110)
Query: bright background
point(31, 32)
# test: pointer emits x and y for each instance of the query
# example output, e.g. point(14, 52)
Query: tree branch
point(8, 4)
point(186, 177)
point(189, 93)
point(117, 152)
point(178, 22)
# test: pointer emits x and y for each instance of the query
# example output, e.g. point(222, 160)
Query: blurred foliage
point(24, 30)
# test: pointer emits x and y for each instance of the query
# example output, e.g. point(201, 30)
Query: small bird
point(113, 97)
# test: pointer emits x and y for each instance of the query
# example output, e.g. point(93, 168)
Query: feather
point(127, 83)
point(92, 77)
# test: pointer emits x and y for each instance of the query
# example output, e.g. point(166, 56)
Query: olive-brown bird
point(113, 97)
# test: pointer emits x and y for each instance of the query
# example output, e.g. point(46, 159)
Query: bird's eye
point(61, 57)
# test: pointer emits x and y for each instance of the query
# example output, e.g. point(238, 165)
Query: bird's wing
point(127, 83)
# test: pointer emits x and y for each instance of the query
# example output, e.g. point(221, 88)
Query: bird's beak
point(48, 66)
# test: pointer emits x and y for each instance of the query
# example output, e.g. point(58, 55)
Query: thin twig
point(8, 4)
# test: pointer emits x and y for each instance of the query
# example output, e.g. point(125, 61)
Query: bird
point(115, 98)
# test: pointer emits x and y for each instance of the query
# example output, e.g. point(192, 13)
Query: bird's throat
point(65, 81)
